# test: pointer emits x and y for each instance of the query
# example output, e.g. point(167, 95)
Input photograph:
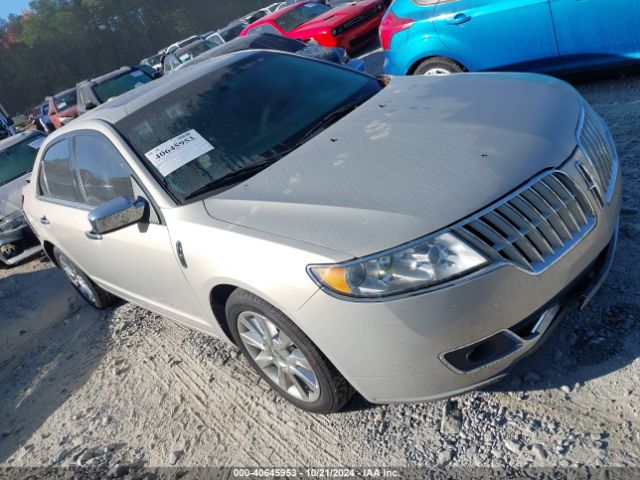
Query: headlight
point(415, 266)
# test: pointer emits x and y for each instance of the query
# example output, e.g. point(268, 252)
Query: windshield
point(194, 51)
point(155, 60)
point(18, 159)
point(122, 83)
point(254, 109)
point(65, 100)
point(186, 42)
point(296, 17)
point(230, 33)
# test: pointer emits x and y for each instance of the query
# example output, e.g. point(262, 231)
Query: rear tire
point(438, 66)
point(289, 361)
point(89, 291)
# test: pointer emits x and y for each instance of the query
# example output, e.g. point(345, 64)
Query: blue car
point(431, 37)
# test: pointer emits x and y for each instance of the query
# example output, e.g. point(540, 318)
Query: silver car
point(17, 154)
point(407, 238)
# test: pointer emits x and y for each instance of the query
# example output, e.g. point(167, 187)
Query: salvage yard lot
point(124, 386)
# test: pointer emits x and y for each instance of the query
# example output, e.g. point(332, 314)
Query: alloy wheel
point(77, 279)
point(437, 71)
point(278, 357)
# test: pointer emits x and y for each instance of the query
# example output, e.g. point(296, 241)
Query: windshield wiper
point(326, 121)
point(244, 172)
point(232, 177)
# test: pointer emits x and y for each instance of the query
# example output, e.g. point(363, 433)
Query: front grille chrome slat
point(534, 226)
point(549, 213)
point(517, 217)
point(598, 148)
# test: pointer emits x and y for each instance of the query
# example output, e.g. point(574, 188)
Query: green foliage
point(62, 42)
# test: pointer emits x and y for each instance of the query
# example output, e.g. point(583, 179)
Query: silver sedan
point(406, 238)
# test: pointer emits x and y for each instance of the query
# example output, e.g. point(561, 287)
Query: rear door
point(498, 34)
point(596, 32)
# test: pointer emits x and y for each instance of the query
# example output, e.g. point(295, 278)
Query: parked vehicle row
point(203, 51)
point(348, 26)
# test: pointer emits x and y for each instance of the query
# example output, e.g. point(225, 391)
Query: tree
point(59, 43)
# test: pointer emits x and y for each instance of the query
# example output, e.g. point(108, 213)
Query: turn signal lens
point(334, 277)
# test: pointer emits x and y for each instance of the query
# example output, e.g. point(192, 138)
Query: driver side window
point(101, 171)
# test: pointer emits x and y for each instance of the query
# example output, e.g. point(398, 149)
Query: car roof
point(188, 47)
point(106, 76)
point(264, 41)
point(65, 92)
point(17, 138)
point(282, 11)
point(128, 103)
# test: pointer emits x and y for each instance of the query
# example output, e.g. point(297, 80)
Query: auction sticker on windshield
point(177, 152)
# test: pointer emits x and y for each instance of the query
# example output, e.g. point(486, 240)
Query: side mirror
point(90, 106)
point(114, 215)
point(156, 75)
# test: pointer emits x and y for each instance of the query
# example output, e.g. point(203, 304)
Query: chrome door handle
point(459, 19)
point(44, 220)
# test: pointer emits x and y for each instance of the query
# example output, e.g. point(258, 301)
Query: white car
point(410, 238)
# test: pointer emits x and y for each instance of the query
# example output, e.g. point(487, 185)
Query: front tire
point(90, 292)
point(284, 356)
point(438, 66)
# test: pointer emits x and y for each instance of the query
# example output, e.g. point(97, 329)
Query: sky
point(12, 6)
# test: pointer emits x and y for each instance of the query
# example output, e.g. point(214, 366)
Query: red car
point(349, 26)
point(63, 108)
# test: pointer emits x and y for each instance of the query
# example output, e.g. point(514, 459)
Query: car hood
point(422, 154)
point(337, 15)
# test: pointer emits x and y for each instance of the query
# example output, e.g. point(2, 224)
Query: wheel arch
point(48, 248)
point(218, 300)
point(415, 64)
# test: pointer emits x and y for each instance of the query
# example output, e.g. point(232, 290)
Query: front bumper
point(395, 351)
point(18, 244)
point(360, 35)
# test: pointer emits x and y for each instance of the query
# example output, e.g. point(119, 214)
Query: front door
point(138, 262)
point(499, 34)
point(596, 32)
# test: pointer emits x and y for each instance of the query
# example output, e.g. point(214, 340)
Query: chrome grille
point(597, 145)
point(534, 226)
point(361, 18)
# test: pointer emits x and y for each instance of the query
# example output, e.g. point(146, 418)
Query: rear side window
point(102, 172)
point(121, 84)
point(298, 16)
point(56, 177)
point(264, 28)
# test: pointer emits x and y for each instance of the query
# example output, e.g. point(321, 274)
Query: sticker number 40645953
point(178, 151)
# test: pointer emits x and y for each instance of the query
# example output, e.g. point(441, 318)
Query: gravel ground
point(126, 387)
